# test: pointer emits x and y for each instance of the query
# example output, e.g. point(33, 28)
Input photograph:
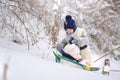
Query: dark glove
point(70, 41)
point(75, 41)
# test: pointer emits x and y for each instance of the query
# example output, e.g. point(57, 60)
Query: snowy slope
point(38, 64)
point(28, 67)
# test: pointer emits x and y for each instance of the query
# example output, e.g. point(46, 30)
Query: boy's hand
point(75, 41)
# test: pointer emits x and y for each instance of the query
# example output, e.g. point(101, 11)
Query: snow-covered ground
point(38, 62)
point(28, 65)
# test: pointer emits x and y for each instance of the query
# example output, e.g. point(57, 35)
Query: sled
point(58, 58)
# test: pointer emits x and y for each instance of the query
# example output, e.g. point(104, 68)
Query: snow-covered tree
point(26, 20)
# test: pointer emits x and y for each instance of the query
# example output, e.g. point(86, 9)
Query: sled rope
point(115, 70)
point(107, 54)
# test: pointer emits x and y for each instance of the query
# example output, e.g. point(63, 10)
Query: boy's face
point(70, 31)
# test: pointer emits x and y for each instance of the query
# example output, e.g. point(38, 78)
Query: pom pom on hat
point(68, 17)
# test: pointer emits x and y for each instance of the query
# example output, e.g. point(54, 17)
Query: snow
point(38, 62)
point(24, 65)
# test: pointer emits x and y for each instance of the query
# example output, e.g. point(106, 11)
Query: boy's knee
point(59, 47)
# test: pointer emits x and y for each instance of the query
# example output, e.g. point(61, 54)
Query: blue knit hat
point(70, 23)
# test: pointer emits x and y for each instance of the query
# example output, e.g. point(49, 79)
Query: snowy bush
point(26, 20)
